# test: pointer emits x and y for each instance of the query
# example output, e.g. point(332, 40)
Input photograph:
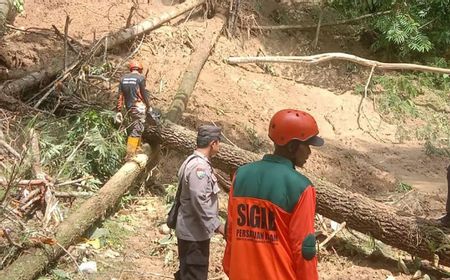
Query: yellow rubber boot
point(132, 146)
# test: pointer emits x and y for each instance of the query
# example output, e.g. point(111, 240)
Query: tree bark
point(7, 14)
point(43, 77)
point(129, 33)
point(28, 83)
point(417, 236)
point(327, 57)
point(33, 262)
point(198, 60)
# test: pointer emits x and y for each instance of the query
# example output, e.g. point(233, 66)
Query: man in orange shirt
point(271, 208)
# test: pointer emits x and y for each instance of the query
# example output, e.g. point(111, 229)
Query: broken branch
point(73, 181)
point(326, 57)
point(366, 88)
point(66, 49)
point(341, 227)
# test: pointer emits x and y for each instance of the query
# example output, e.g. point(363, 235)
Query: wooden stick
point(60, 35)
point(73, 181)
point(341, 227)
point(32, 194)
point(366, 88)
point(73, 194)
point(316, 39)
point(308, 27)
point(327, 57)
point(29, 203)
point(9, 148)
point(72, 258)
point(35, 155)
point(130, 16)
point(32, 182)
point(66, 49)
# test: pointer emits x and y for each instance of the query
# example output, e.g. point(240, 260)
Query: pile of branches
point(83, 83)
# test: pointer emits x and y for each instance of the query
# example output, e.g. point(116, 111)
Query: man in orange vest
point(132, 92)
point(271, 207)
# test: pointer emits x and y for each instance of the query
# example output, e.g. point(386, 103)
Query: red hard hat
point(290, 124)
point(135, 65)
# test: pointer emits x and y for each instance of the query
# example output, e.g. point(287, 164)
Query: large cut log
point(409, 233)
point(327, 57)
point(190, 77)
point(198, 60)
point(29, 82)
point(33, 262)
point(41, 78)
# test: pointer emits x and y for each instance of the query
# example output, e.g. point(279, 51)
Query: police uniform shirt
point(198, 214)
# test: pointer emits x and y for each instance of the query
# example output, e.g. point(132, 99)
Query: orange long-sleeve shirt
point(270, 228)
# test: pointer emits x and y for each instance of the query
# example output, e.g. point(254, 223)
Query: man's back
point(132, 85)
point(270, 222)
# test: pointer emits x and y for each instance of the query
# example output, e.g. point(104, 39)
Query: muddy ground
point(241, 99)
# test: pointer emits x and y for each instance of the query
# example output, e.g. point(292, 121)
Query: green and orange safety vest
point(270, 228)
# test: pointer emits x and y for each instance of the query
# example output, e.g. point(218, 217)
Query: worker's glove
point(118, 118)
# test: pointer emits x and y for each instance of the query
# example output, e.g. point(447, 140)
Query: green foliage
point(396, 99)
point(81, 145)
point(412, 27)
point(416, 99)
point(117, 233)
point(403, 187)
point(19, 5)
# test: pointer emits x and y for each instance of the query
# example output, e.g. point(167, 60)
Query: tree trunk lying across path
point(198, 60)
point(41, 78)
point(34, 261)
point(327, 57)
point(409, 233)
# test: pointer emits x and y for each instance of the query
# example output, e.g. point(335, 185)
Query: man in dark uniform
point(132, 92)
point(198, 215)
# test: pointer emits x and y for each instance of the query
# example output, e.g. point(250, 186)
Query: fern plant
point(412, 27)
point(81, 145)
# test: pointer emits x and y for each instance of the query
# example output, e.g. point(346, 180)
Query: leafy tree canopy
point(412, 27)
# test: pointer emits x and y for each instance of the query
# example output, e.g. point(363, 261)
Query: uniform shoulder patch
point(200, 172)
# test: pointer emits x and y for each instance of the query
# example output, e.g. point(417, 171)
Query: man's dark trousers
point(194, 260)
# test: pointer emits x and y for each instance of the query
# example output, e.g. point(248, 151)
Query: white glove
point(118, 118)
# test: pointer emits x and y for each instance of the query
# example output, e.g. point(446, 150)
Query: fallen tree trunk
point(409, 233)
point(198, 60)
point(34, 261)
point(190, 77)
point(41, 78)
point(326, 57)
point(152, 23)
point(27, 83)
